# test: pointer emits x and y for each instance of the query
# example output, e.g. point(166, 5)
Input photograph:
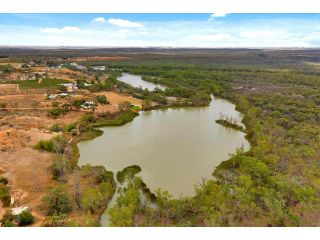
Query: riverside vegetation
point(275, 183)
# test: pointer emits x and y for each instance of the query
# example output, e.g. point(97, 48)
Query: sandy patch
point(114, 99)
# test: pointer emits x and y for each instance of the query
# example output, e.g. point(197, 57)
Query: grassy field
point(44, 84)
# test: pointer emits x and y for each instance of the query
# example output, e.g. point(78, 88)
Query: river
point(136, 81)
point(175, 148)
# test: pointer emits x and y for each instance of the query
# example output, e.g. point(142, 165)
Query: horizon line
point(145, 47)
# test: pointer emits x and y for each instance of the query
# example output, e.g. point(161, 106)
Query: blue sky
point(163, 30)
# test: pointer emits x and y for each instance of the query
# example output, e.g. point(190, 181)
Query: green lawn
point(46, 83)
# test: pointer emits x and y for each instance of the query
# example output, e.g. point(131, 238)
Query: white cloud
point(123, 30)
point(66, 29)
point(218, 15)
point(124, 23)
point(257, 32)
point(98, 20)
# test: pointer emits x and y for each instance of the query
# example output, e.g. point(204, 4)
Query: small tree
point(60, 168)
point(4, 180)
point(92, 199)
point(57, 201)
point(56, 128)
point(69, 127)
point(55, 104)
point(5, 195)
point(102, 99)
point(7, 219)
point(95, 198)
point(25, 218)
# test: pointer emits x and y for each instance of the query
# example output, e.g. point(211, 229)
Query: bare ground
point(28, 169)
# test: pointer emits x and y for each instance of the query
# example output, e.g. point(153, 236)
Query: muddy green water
point(136, 81)
point(175, 148)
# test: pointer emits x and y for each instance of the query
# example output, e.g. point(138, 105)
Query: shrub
point(66, 107)
point(4, 180)
point(102, 99)
point(55, 104)
point(7, 219)
point(60, 168)
point(69, 127)
point(102, 175)
point(59, 144)
point(5, 195)
point(91, 200)
point(74, 132)
point(54, 112)
point(98, 172)
point(25, 218)
point(77, 103)
point(57, 201)
point(56, 144)
point(88, 118)
point(95, 198)
point(45, 145)
point(6, 68)
point(56, 128)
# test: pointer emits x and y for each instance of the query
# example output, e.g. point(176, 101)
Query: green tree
point(127, 204)
point(92, 200)
point(102, 99)
point(25, 218)
point(95, 198)
point(60, 168)
point(5, 196)
point(7, 219)
point(57, 201)
point(4, 180)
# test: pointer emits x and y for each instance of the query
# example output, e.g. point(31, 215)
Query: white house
point(99, 68)
point(88, 105)
point(17, 210)
point(71, 87)
point(78, 66)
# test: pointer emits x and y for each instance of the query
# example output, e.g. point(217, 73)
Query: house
point(88, 105)
point(18, 210)
point(52, 96)
point(99, 68)
point(63, 94)
point(78, 66)
point(71, 87)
